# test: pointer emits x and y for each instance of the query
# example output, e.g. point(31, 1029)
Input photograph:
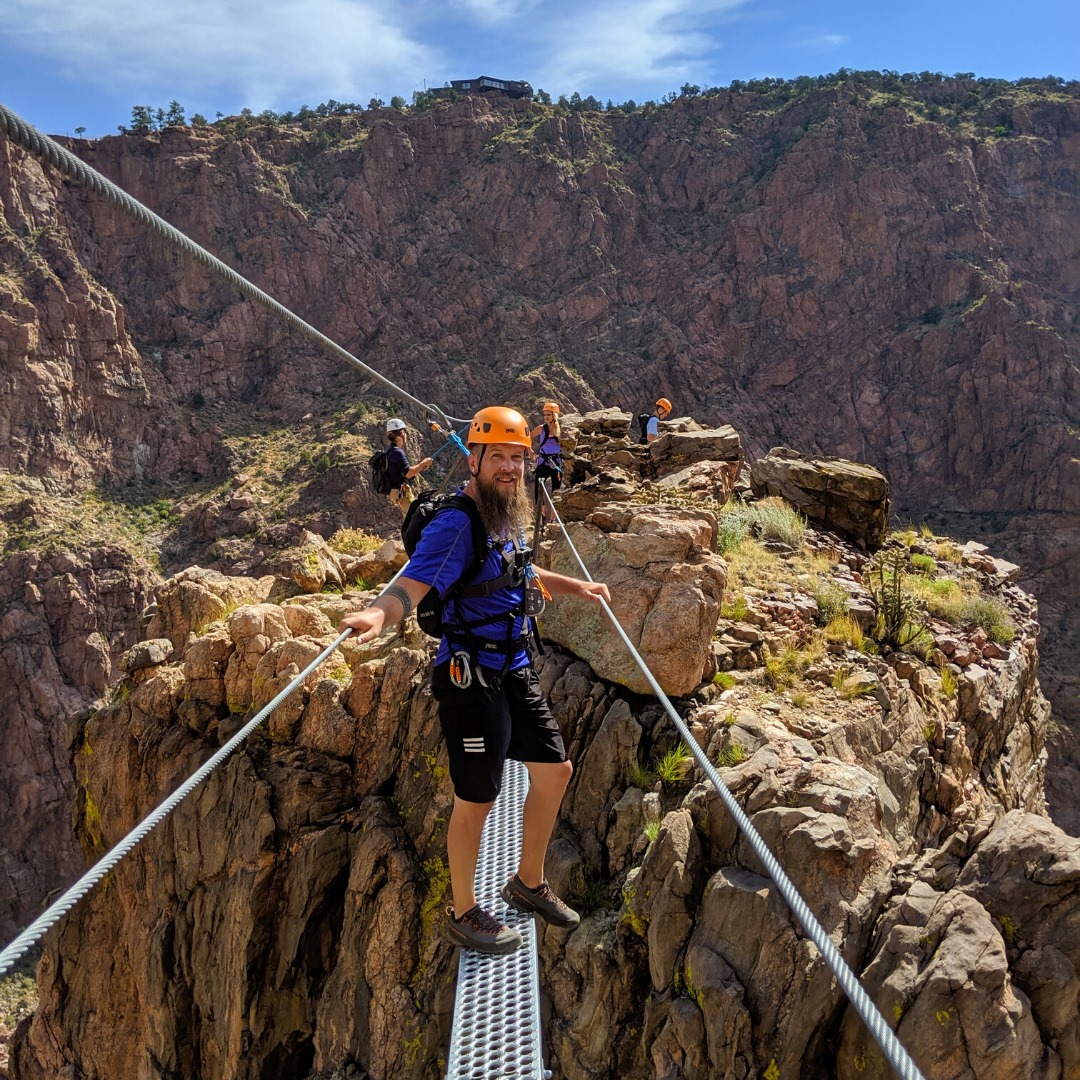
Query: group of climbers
point(544, 445)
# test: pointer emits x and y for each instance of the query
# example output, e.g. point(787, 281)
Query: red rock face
point(838, 273)
point(65, 620)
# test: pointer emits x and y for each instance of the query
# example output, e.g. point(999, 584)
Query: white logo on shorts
point(473, 746)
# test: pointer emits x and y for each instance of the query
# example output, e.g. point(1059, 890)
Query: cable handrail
point(50, 151)
point(37, 929)
point(884, 1035)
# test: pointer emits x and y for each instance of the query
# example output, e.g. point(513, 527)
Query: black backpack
point(380, 472)
point(423, 509)
point(643, 419)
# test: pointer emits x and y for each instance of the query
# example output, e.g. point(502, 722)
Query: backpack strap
point(480, 548)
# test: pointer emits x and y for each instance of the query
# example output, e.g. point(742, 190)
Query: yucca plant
point(901, 617)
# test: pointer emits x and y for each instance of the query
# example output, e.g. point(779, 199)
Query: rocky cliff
point(877, 269)
point(286, 920)
point(66, 620)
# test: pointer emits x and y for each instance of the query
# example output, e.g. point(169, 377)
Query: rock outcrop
point(286, 919)
point(65, 619)
point(666, 585)
point(844, 496)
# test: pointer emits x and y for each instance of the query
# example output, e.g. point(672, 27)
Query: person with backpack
point(471, 555)
point(398, 470)
point(549, 464)
point(661, 411)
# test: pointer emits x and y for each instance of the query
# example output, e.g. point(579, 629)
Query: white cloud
point(639, 42)
point(823, 41)
point(266, 53)
point(492, 12)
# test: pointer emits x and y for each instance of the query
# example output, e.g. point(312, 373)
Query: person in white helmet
point(397, 463)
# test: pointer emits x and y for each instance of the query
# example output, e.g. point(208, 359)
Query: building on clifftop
point(485, 84)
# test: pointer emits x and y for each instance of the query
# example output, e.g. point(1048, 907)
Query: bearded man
point(490, 704)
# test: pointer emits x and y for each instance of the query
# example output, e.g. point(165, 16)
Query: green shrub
point(736, 610)
point(652, 830)
point(768, 519)
point(832, 601)
point(640, 777)
point(355, 542)
point(788, 667)
point(948, 683)
point(901, 618)
point(965, 604)
point(672, 767)
point(731, 530)
point(731, 755)
point(943, 587)
point(724, 679)
point(588, 891)
point(992, 615)
point(846, 629)
point(924, 563)
point(775, 520)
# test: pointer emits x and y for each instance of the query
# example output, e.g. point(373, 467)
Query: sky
point(69, 64)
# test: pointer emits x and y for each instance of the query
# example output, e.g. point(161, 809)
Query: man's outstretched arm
point(391, 607)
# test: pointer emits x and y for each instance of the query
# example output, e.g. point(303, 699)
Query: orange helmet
point(663, 403)
point(498, 424)
point(550, 406)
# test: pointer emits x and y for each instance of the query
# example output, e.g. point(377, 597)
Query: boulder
point(674, 450)
point(666, 586)
point(146, 654)
point(379, 566)
point(843, 495)
point(614, 423)
point(313, 564)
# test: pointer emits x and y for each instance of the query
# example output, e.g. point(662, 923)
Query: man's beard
point(504, 510)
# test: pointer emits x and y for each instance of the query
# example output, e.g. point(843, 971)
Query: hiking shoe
point(478, 930)
point(541, 901)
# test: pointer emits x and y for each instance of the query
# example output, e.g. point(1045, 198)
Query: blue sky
point(72, 63)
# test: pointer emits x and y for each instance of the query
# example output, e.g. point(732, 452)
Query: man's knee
point(551, 775)
point(472, 809)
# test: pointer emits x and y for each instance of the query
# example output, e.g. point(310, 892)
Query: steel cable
point(50, 151)
point(884, 1035)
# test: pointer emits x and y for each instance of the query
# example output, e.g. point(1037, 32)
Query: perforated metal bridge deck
point(496, 1028)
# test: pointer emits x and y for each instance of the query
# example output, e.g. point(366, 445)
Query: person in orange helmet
point(490, 704)
point(661, 412)
point(549, 465)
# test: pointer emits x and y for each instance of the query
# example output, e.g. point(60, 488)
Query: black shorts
point(483, 726)
point(546, 472)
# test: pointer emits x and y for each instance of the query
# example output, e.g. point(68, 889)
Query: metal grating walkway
point(496, 1029)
